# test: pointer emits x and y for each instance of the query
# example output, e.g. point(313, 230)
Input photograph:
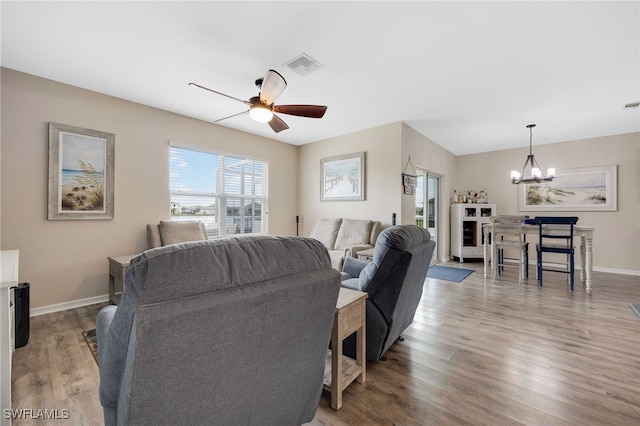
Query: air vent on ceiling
point(632, 105)
point(303, 65)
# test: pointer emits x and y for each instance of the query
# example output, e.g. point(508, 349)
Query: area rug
point(92, 342)
point(448, 273)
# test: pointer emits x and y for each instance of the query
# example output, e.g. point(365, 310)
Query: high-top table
point(586, 247)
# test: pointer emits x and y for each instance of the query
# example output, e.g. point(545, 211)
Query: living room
point(66, 261)
point(67, 266)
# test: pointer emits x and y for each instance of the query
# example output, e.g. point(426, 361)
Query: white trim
point(42, 310)
point(597, 269)
point(617, 271)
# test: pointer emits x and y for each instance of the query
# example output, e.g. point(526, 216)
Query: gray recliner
point(220, 332)
point(394, 281)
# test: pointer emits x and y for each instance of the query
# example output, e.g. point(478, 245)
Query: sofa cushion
point(326, 231)
point(180, 232)
point(353, 232)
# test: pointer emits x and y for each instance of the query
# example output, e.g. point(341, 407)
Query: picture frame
point(409, 180)
point(578, 189)
point(409, 190)
point(81, 173)
point(342, 177)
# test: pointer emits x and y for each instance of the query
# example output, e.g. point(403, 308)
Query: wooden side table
point(341, 370)
point(366, 255)
point(117, 267)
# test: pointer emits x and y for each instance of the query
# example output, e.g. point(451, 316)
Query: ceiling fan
point(261, 107)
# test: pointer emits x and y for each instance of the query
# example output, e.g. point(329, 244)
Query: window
point(227, 193)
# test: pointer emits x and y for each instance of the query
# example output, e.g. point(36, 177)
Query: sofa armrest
point(351, 283)
point(109, 379)
point(103, 321)
point(353, 250)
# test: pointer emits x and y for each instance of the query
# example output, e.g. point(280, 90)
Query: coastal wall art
point(342, 178)
point(580, 189)
point(81, 173)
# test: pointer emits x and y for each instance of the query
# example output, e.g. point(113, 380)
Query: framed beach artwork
point(342, 178)
point(580, 189)
point(81, 169)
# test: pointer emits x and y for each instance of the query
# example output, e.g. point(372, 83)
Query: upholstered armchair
point(394, 281)
point(232, 331)
point(171, 232)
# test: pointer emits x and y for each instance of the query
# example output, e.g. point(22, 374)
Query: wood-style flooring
point(479, 352)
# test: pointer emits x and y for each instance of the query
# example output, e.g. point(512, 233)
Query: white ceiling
point(468, 75)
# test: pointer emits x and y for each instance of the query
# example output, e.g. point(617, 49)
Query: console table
point(586, 247)
point(8, 279)
point(117, 267)
point(366, 255)
point(341, 370)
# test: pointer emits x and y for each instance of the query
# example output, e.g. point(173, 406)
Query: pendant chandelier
point(531, 172)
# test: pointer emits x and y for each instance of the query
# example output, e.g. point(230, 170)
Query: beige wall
point(617, 237)
point(382, 177)
point(616, 245)
point(387, 153)
point(429, 156)
point(67, 260)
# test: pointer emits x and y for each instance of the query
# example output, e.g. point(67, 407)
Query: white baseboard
point(617, 271)
point(598, 269)
point(42, 310)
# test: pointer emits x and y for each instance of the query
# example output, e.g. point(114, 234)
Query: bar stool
point(508, 236)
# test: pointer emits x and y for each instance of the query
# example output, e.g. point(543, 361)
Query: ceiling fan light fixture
point(261, 114)
point(262, 107)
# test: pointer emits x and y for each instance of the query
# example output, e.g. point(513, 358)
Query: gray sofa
point(394, 281)
point(345, 237)
point(229, 331)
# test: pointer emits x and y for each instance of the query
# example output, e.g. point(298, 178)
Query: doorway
point(427, 201)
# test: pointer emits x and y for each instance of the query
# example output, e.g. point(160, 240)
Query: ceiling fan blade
point(231, 116)
point(219, 93)
point(311, 111)
point(277, 124)
point(273, 85)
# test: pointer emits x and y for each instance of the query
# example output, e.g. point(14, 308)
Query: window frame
point(224, 194)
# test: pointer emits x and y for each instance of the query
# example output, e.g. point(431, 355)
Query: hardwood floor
point(479, 352)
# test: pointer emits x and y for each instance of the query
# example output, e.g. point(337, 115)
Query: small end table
point(340, 371)
point(117, 267)
point(366, 255)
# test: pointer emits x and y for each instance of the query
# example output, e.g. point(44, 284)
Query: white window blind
point(227, 193)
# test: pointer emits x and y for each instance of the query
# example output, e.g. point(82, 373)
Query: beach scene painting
point(80, 173)
point(342, 178)
point(580, 189)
